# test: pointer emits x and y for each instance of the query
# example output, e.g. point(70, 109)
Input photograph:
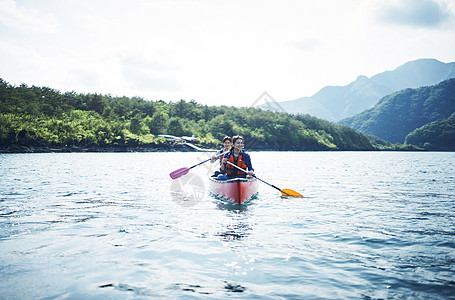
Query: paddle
point(284, 192)
point(182, 171)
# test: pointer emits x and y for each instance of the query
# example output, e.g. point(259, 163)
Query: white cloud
point(147, 75)
point(418, 13)
point(26, 19)
point(307, 44)
point(212, 51)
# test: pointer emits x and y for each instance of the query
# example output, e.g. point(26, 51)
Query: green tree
point(175, 127)
point(158, 123)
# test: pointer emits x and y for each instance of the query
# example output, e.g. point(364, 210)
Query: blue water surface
point(115, 226)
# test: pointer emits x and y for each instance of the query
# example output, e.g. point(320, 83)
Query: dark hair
point(227, 138)
point(234, 139)
point(237, 137)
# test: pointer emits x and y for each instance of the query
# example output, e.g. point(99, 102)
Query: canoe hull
point(237, 191)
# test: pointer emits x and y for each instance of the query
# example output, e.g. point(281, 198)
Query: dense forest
point(437, 135)
point(43, 118)
point(422, 113)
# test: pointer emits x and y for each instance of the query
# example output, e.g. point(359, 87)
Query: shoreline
point(178, 147)
point(100, 149)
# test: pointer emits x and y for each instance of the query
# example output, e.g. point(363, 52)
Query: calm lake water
point(115, 226)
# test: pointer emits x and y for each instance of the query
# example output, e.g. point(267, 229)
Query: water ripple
point(371, 225)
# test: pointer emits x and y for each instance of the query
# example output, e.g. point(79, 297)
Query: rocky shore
point(177, 147)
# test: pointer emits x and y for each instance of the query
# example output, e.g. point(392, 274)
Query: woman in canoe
point(237, 157)
point(227, 144)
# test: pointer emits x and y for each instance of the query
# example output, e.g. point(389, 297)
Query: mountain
point(334, 103)
point(437, 135)
point(397, 115)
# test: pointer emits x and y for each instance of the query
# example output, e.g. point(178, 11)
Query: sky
point(216, 52)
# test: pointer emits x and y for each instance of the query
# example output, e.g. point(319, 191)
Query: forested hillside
point(437, 135)
point(399, 114)
point(42, 117)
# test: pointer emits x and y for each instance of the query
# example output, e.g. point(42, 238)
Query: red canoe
point(237, 190)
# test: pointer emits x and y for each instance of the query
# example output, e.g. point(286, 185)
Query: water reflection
point(225, 205)
point(234, 232)
point(237, 223)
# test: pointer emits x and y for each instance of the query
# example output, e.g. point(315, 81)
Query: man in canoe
point(237, 157)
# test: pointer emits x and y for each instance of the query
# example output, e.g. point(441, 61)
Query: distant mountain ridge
point(422, 116)
point(335, 103)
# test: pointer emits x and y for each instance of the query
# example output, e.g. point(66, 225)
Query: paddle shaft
point(182, 171)
point(200, 163)
point(258, 178)
point(207, 160)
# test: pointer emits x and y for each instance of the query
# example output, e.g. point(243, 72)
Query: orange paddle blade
point(290, 193)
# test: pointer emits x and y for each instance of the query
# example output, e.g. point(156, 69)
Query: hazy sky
point(216, 52)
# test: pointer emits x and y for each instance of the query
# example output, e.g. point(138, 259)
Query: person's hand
point(250, 173)
point(224, 160)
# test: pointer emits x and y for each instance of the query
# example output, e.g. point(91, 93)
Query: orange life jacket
point(232, 171)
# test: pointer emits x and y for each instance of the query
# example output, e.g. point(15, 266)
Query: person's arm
point(223, 163)
point(249, 165)
point(216, 156)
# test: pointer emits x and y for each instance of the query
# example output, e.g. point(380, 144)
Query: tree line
point(42, 116)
